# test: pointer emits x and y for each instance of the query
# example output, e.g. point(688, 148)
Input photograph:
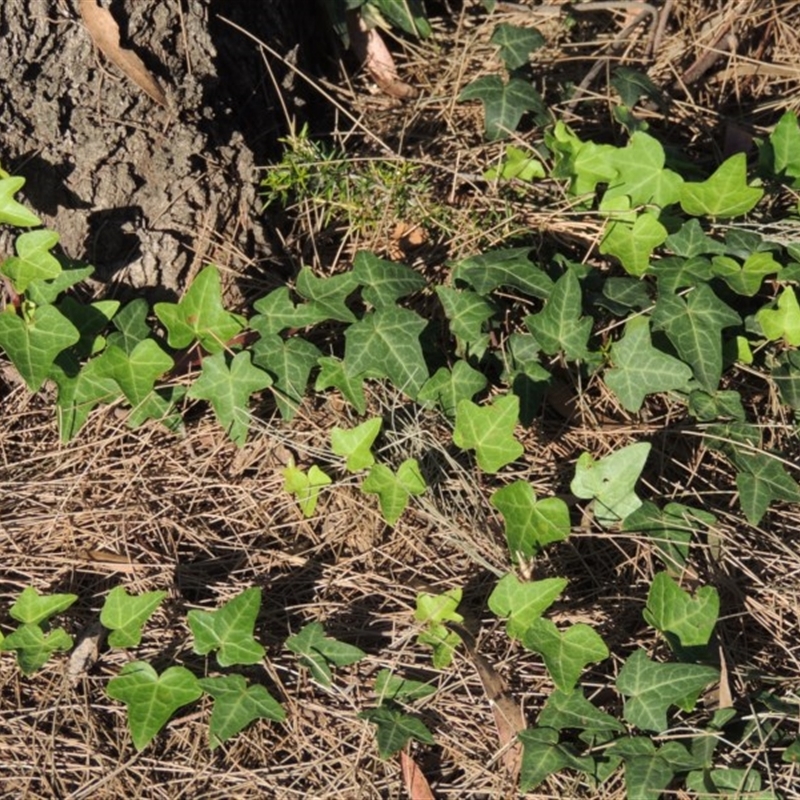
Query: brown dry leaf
point(415, 782)
point(405, 239)
point(372, 52)
point(104, 31)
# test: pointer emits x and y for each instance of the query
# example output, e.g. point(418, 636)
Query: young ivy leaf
point(47, 292)
point(34, 261)
point(782, 322)
point(200, 315)
point(746, 279)
point(651, 689)
point(384, 282)
point(229, 630)
point(394, 489)
point(12, 212)
point(447, 387)
point(530, 524)
point(565, 654)
point(385, 343)
point(516, 43)
point(433, 611)
point(34, 647)
point(523, 603)
point(395, 729)
point(305, 486)
point(724, 194)
point(334, 375)
point(151, 698)
point(694, 325)
point(236, 705)
point(466, 312)
point(125, 615)
point(228, 383)
point(610, 481)
point(32, 608)
point(633, 242)
point(687, 622)
point(641, 369)
point(34, 341)
point(289, 364)
point(355, 444)
point(327, 296)
point(560, 325)
point(317, 651)
point(489, 431)
point(393, 688)
point(504, 103)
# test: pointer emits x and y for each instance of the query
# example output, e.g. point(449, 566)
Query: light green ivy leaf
point(489, 430)
point(12, 212)
point(355, 444)
point(229, 630)
point(305, 486)
point(782, 321)
point(447, 387)
point(151, 698)
point(393, 489)
point(34, 647)
point(393, 688)
point(125, 615)
point(433, 611)
point(317, 651)
point(521, 604)
point(34, 261)
point(631, 240)
point(32, 608)
point(724, 194)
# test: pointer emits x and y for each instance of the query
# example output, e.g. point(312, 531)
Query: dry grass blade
point(104, 31)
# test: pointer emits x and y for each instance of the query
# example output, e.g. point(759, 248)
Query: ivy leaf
point(517, 163)
point(504, 103)
point(131, 325)
point(34, 647)
point(277, 312)
point(632, 84)
point(530, 524)
point(289, 364)
point(687, 622)
point(229, 630)
point(633, 244)
point(305, 486)
point(671, 529)
point(394, 489)
point(332, 374)
point(384, 282)
point(641, 369)
point(125, 615)
point(785, 143)
point(90, 319)
point(787, 378)
point(691, 240)
point(34, 261)
point(641, 175)
point(724, 194)
point(395, 729)
point(79, 394)
point(200, 315)
point(228, 383)
point(523, 603)
point(47, 292)
point(316, 651)
point(728, 784)
point(782, 322)
point(489, 430)
point(542, 755)
point(327, 296)
point(609, 482)
point(510, 268)
point(446, 388)
point(746, 279)
point(152, 698)
point(433, 611)
point(385, 343)
point(648, 771)
point(236, 705)
point(652, 688)
point(675, 273)
point(560, 325)
point(694, 325)
point(355, 444)
point(408, 15)
point(393, 688)
point(31, 608)
point(136, 373)
point(33, 343)
point(565, 654)
point(762, 480)
point(467, 312)
point(12, 212)
point(569, 709)
point(516, 43)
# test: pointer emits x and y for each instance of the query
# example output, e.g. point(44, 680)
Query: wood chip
point(104, 31)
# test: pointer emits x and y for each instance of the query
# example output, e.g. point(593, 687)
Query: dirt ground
point(149, 195)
